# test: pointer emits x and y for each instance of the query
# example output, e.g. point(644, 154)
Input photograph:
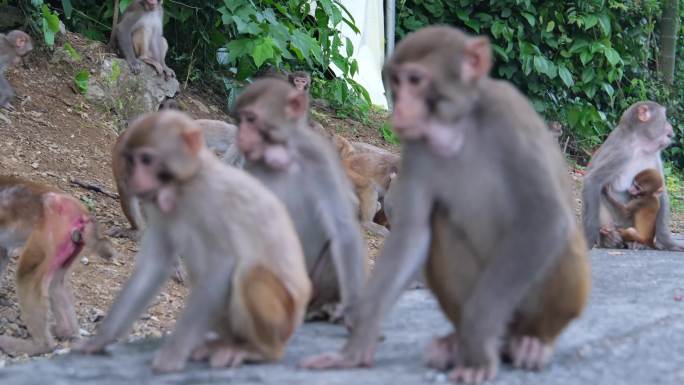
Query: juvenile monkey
point(248, 274)
point(54, 229)
point(139, 36)
point(634, 145)
point(13, 47)
point(302, 169)
point(502, 252)
point(300, 80)
point(642, 208)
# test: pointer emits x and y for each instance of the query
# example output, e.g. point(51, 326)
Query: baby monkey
point(642, 208)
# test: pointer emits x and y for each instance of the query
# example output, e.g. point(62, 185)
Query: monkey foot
point(529, 352)
point(468, 375)
point(441, 353)
point(337, 360)
point(228, 356)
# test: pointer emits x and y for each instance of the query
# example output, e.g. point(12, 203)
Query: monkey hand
point(477, 361)
point(136, 66)
point(92, 345)
point(168, 360)
point(169, 73)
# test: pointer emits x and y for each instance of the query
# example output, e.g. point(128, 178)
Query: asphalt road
point(631, 333)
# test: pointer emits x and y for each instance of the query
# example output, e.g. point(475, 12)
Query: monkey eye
point(146, 159)
point(415, 79)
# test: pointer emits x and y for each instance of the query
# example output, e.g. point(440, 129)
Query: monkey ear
point(477, 59)
point(193, 138)
point(297, 104)
point(643, 113)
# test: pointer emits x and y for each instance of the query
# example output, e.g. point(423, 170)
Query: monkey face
point(151, 5)
point(301, 83)
point(410, 84)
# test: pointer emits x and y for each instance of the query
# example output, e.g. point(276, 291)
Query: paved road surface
point(631, 333)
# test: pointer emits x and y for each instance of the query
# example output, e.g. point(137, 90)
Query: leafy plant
point(81, 80)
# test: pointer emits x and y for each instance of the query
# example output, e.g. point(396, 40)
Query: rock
point(95, 315)
point(116, 87)
point(84, 260)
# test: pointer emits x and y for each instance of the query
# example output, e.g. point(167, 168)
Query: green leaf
point(550, 25)
point(68, 8)
point(590, 21)
point(588, 75)
point(500, 51)
point(263, 51)
point(612, 56)
point(350, 48)
point(604, 23)
point(81, 80)
point(585, 57)
point(530, 18)
point(72, 52)
point(565, 76)
point(608, 89)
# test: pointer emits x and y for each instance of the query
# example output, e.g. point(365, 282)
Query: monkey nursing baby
point(249, 281)
point(641, 210)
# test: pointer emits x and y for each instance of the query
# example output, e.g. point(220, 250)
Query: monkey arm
point(663, 235)
point(124, 35)
point(603, 169)
point(207, 296)
point(347, 250)
point(154, 265)
point(625, 210)
point(404, 252)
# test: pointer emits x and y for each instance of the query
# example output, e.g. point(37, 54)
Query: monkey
point(642, 208)
point(503, 254)
point(169, 104)
point(139, 36)
point(300, 80)
point(302, 169)
point(250, 285)
point(633, 146)
point(556, 129)
point(53, 228)
point(14, 46)
point(219, 137)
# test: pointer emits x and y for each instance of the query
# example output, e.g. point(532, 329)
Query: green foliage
point(230, 42)
point(81, 81)
point(388, 134)
point(581, 62)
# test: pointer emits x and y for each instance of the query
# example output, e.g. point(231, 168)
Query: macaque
point(642, 208)
point(139, 36)
point(300, 80)
point(14, 46)
point(219, 137)
point(169, 104)
point(633, 146)
point(484, 206)
point(246, 266)
point(53, 229)
point(303, 170)
point(556, 129)
point(369, 169)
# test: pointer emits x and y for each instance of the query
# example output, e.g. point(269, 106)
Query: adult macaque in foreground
point(53, 228)
point(13, 47)
point(642, 208)
point(249, 278)
point(139, 36)
point(302, 169)
point(483, 203)
point(633, 146)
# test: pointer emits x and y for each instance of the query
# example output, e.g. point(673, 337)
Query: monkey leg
point(326, 290)
point(368, 207)
point(263, 320)
point(62, 305)
point(34, 312)
point(4, 260)
point(6, 93)
point(633, 236)
point(549, 307)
